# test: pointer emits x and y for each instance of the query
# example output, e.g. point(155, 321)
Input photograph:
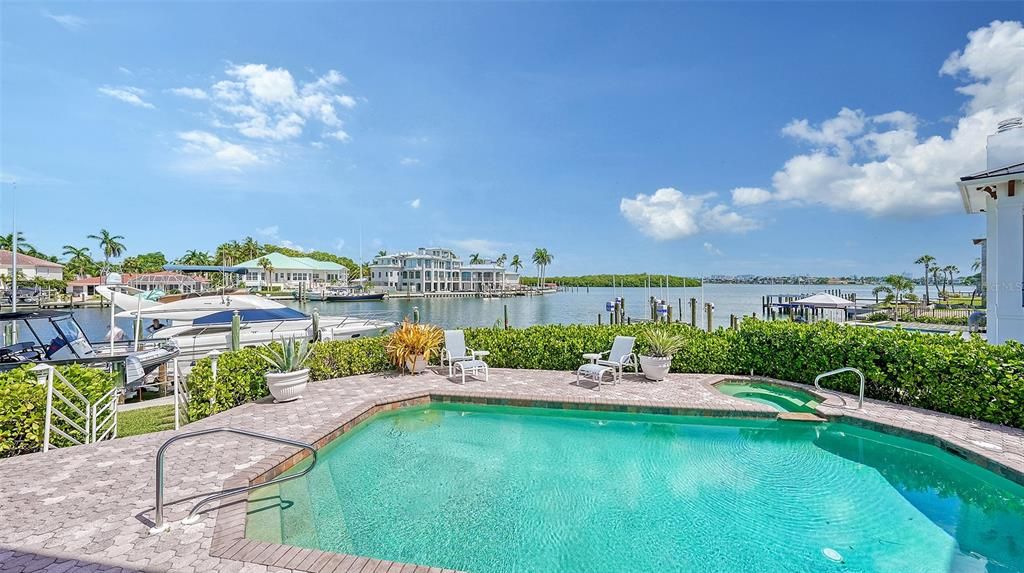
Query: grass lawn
point(145, 420)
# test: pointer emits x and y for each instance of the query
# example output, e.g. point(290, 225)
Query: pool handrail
point(158, 522)
point(860, 400)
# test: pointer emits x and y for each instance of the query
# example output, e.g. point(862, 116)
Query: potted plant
point(411, 346)
point(660, 346)
point(288, 376)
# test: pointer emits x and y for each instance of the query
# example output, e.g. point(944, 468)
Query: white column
point(1005, 220)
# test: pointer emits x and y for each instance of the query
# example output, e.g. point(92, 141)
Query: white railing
point(860, 399)
point(73, 417)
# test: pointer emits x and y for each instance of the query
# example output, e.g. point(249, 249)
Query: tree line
point(607, 280)
point(80, 260)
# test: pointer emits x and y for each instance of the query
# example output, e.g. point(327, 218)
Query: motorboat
point(200, 325)
point(54, 337)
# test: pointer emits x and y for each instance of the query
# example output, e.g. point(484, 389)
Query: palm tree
point(250, 247)
point(898, 289)
point(542, 258)
point(516, 263)
point(382, 253)
point(952, 271)
point(267, 268)
point(937, 277)
point(7, 243)
point(475, 259)
point(925, 260)
point(79, 261)
point(972, 281)
point(194, 257)
point(110, 246)
point(500, 261)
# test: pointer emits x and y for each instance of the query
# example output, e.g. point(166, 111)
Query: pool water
point(782, 398)
point(488, 489)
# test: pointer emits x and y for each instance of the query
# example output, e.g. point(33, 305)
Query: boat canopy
point(34, 315)
point(251, 315)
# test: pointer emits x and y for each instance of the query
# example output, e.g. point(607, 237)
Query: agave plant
point(288, 357)
point(661, 343)
point(412, 341)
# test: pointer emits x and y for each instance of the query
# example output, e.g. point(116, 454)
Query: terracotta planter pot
point(655, 367)
point(418, 366)
point(287, 386)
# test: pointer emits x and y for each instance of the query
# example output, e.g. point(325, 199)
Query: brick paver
point(88, 508)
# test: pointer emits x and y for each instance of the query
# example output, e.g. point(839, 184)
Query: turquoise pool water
point(488, 489)
point(782, 398)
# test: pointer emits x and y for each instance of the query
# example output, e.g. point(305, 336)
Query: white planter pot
point(287, 386)
point(655, 367)
point(418, 366)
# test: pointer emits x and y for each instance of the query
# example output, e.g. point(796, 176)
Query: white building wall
point(1005, 222)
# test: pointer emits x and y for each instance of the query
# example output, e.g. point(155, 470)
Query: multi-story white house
point(290, 272)
point(436, 270)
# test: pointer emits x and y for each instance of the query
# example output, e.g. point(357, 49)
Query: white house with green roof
point(290, 272)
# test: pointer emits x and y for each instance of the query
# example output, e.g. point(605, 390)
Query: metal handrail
point(158, 523)
point(860, 400)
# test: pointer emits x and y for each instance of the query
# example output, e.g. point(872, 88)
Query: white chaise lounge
point(461, 359)
point(620, 356)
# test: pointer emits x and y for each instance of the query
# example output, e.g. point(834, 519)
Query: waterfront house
point(290, 272)
point(167, 281)
point(437, 270)
point(30, 267)
point(998, 192)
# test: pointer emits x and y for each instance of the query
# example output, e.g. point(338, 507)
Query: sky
point(686, 138)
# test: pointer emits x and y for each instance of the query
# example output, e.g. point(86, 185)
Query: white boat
point(200, 325)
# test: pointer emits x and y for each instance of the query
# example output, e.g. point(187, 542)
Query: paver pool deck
point(89, 508)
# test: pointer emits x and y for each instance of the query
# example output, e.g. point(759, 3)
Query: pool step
point(800, 417)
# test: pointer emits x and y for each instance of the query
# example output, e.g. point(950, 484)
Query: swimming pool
point(489, 488)
point(782, 398)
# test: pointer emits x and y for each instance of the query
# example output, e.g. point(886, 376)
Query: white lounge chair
point(455, 351)
point(620, 356)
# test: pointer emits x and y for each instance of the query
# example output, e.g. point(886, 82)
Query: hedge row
point(23, 404)
point(968, 378)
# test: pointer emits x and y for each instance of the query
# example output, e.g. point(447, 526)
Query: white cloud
point(712, 250)
point(670, 214)
point(262, 102)
point(750, 196)
point(209, 152)
point(125, 71)
point(290, 245)
point(339, 244)
point(410, 162)
point(415, 203)
point(881, 165)
point(994, 60)
point(191, 93)
point(269, 231)
point(68, 21)
point(127, 94)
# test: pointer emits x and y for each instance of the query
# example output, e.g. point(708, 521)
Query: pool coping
point(229, 540)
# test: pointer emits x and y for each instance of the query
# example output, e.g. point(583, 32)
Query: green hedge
point(968, 378)
point(23, 404)
point(240, 374)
